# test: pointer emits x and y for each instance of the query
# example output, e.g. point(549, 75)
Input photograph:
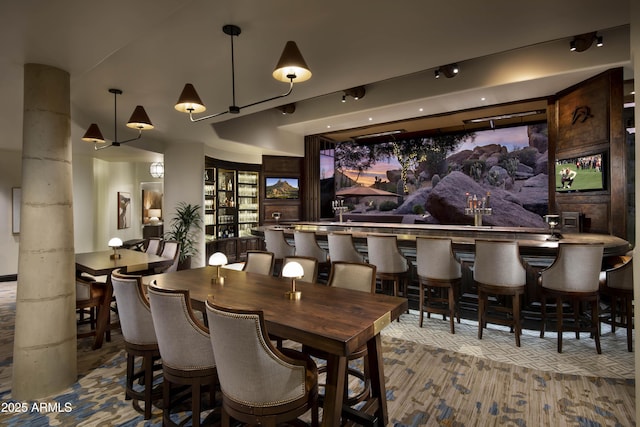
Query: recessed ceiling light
point(370, 118)
point(328, 126)
point(421, 109)
point(483, 99)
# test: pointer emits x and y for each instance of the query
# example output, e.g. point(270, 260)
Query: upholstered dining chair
point(178, 329)
point(139, 340)
point(498, 271)
point(358, 277)
point(341, 248)
point(170, 250)
point(573, 277)
point(275, 242)
point(154, 245)
point(438, 272)
point(260, 262)
point(89, 296)
point(309, 266)
point(260, 384)
point(391, 265)
point(616, 284)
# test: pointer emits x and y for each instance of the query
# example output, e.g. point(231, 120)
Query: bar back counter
point(536, 249)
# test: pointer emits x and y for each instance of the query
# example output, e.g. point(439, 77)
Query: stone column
point(44, 354)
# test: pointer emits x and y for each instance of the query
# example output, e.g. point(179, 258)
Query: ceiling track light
point(287, 108)
point(582, 42)
point(138, 120)
point(291, 67)
point(355, 92)
point(449, 71)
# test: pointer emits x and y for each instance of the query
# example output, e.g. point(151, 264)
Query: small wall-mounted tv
point(581, 173)
point(282, 188)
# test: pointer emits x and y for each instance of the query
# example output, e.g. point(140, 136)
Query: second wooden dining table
point(336, 321)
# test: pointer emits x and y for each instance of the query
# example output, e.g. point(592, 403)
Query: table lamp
point(293, 270)
point(154, 216)
point(114, 244)
point(218, 259)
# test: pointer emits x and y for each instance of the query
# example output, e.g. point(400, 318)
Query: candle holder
point(478, 207)
point(217, 260)
point(293, 270)
point(338, 206)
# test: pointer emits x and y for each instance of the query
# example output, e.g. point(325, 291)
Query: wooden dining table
point(334, 320)
point(101, 263)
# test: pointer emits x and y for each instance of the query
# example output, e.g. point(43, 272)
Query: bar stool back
point(341, 248)
point(498, 270)
point(574, 277)
point(438, 271)
point(391, 265)
point(617, 284)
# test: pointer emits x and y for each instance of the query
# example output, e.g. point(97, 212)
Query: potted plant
point(183, 229)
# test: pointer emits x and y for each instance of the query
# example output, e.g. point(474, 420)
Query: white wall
point(184, 182)
point(10, 176)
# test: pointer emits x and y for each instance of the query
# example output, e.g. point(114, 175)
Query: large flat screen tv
point(282, 188)
point(582, 173)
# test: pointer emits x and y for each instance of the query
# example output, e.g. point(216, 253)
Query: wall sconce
point(293, 270)
point(217, 260)
point(582, 42)
point(290, 67)
point(138, 120)
point(287, 108)
point(449, 71)
point(355, 92)
point(114, 244)
point(156, 169)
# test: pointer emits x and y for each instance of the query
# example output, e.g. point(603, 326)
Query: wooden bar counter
point(532, 241)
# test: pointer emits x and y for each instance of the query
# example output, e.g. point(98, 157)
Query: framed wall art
point(124, 210)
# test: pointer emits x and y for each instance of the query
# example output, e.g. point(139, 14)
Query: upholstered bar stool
point(617, 285)
point(178, 329)
point(341, 248)
point(260, 262)
point(390, 264)
point(170, 249)
point(498, 271)
point(89, 296)
point(438, 272)
point(275, 242)
point(261, 385)
point(139, 340)
point(307, 245)
point(574, 277)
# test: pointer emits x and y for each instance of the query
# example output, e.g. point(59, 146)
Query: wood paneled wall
point(599, 103)
point(282, 167)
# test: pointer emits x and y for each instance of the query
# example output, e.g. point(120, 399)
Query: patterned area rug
point(426, 386)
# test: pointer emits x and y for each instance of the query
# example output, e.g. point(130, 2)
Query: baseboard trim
point(9, 278)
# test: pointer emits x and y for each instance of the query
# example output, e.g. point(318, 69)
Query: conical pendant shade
point(139, 119)
point(93, 134)
point(291, 66)
point(189, 101)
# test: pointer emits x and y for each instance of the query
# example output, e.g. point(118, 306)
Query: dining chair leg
point(595, 321)
point(452, 309)
point(629, 321)
point(559, 322)
point(421, 302)
point(543, 314)
point(481, 308)
point(516, 318)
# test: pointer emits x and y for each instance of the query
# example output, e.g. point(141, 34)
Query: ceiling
point(150, 48)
